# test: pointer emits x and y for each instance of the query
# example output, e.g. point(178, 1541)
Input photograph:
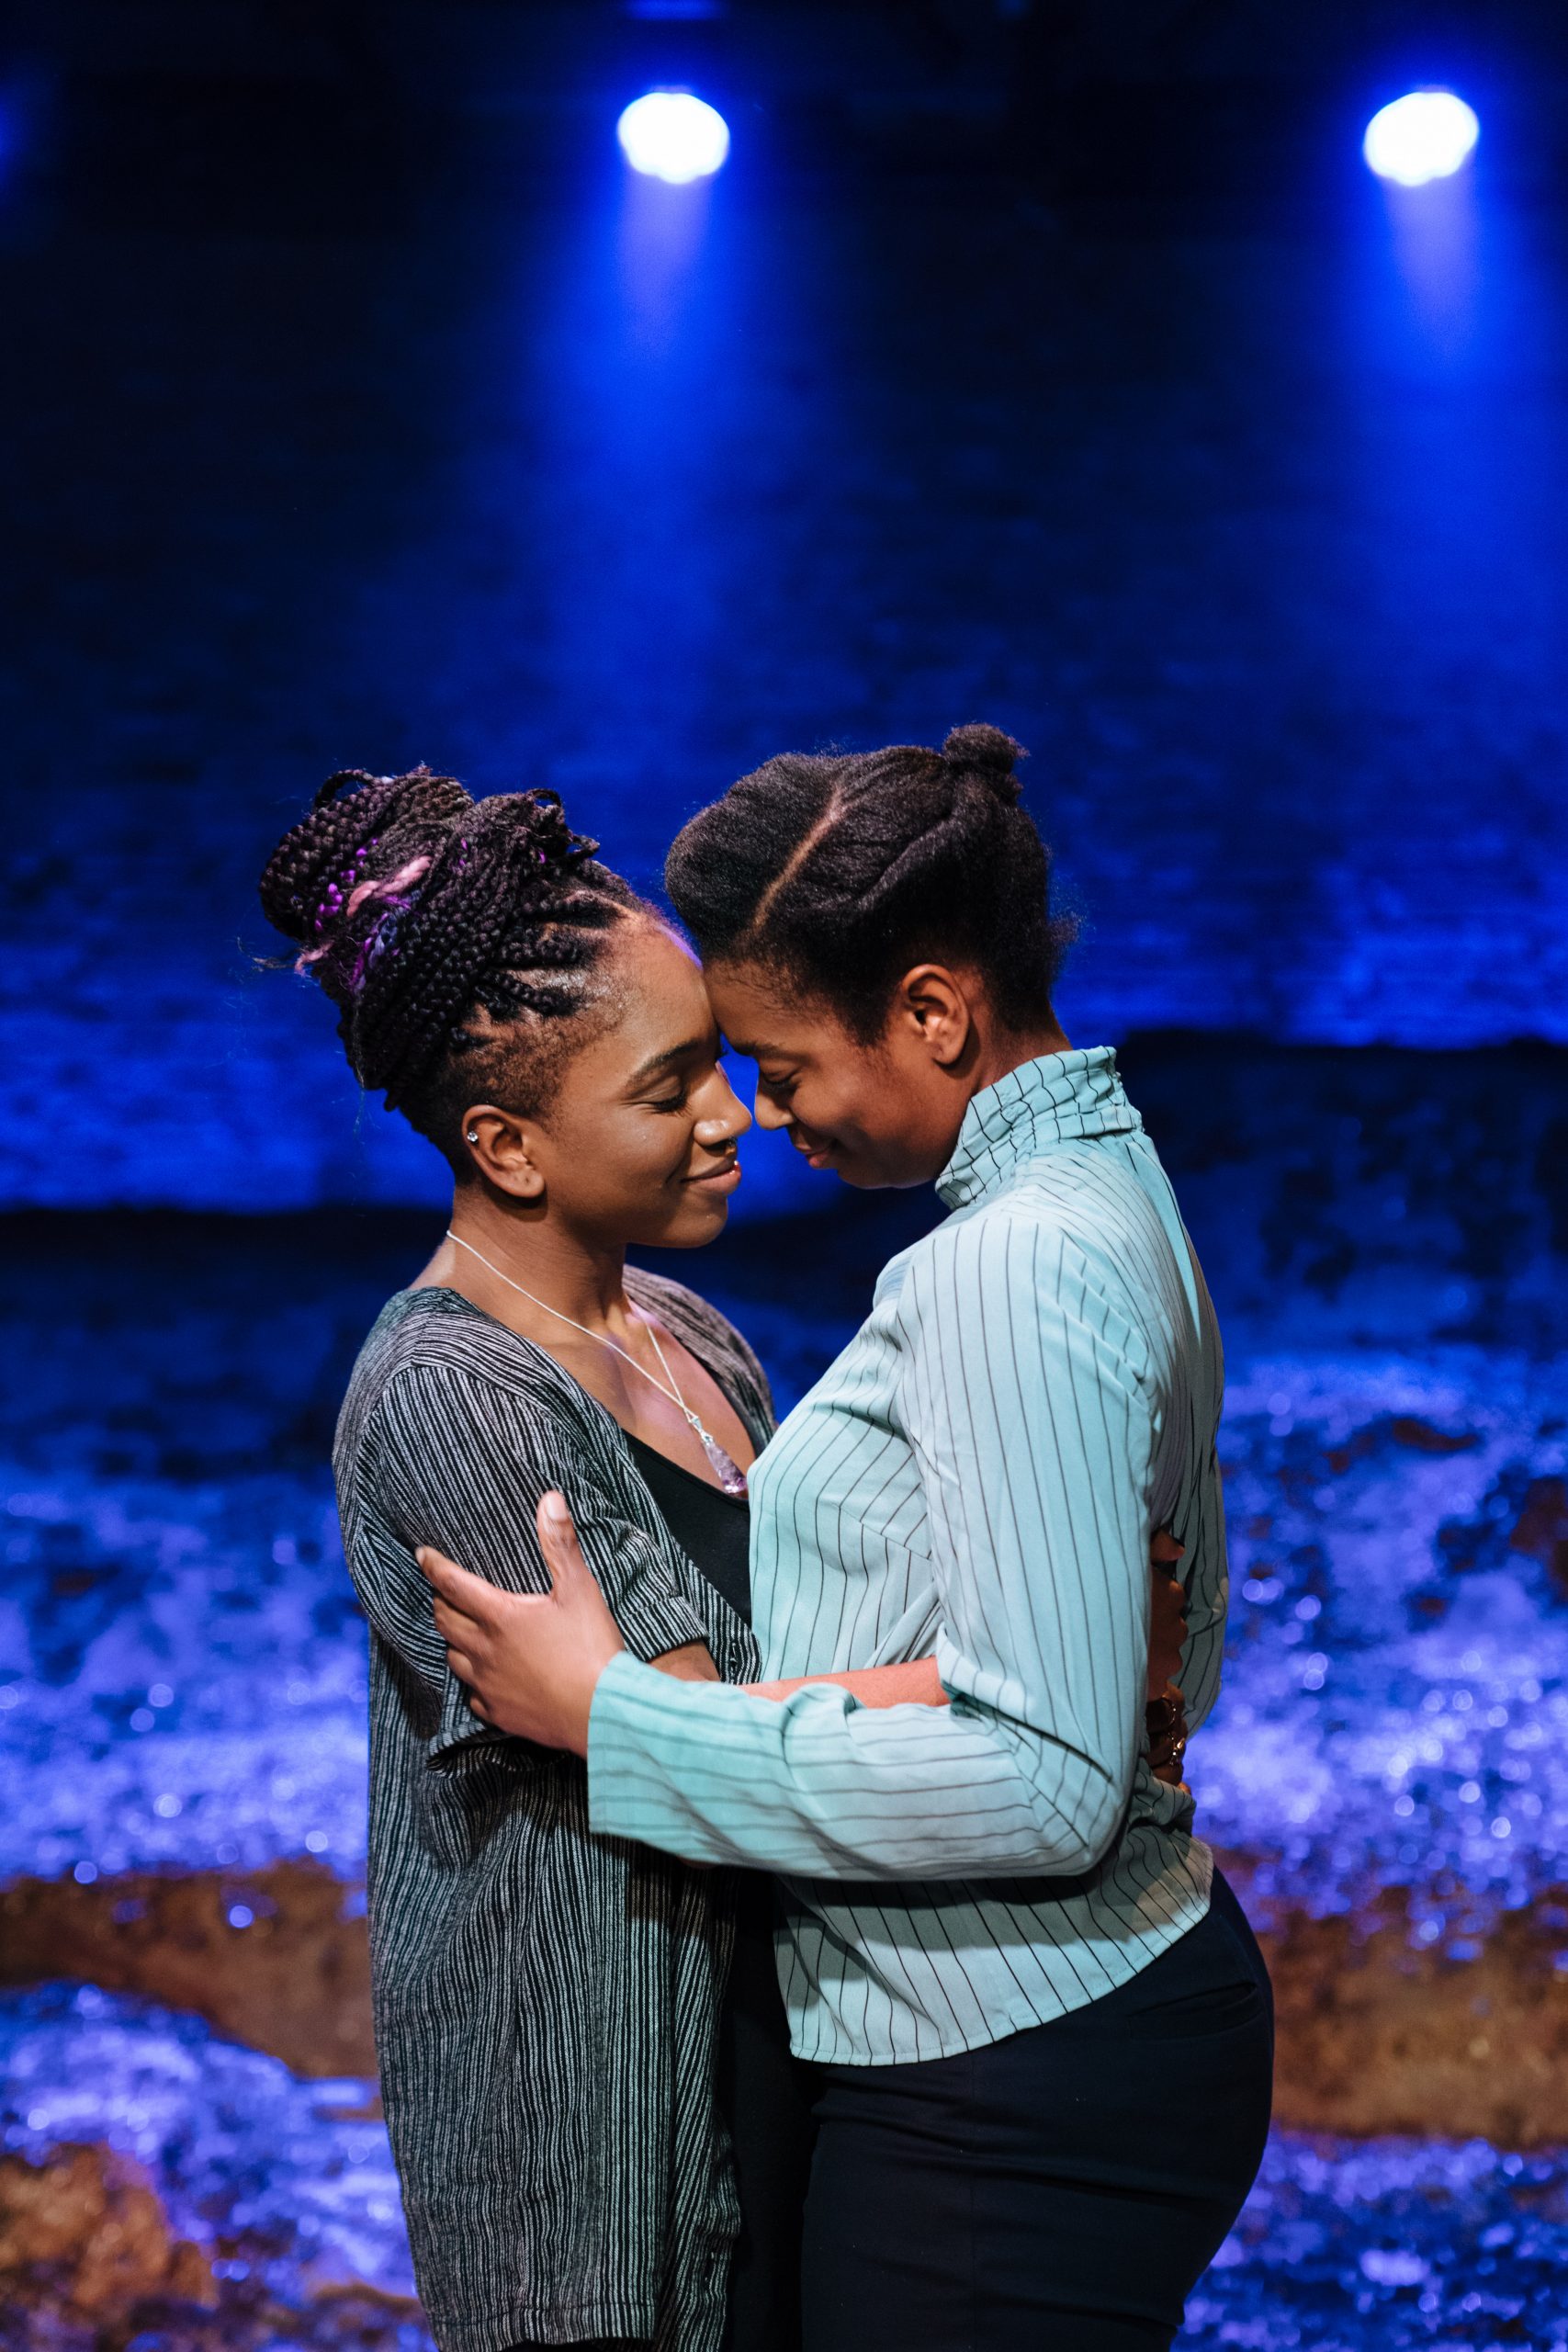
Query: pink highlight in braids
point(398, 881)
point(386, 890)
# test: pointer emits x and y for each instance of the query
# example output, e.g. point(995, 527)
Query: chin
point(864, 1172)
point(865, 1178)
point(860, 1178)
point(693, 1226)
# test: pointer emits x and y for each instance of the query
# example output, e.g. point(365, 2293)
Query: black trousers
point(765, 2095)
point(1062, 2190)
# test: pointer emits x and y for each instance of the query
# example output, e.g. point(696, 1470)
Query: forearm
point(916, 1684)
point(692, 1662)
point(823, 1788)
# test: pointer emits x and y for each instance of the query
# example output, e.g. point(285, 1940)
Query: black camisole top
point(714, 1529)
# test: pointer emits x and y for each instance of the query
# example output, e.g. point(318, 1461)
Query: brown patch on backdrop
point(83, 2235)
point(295, 1981)
point(1374, 2035)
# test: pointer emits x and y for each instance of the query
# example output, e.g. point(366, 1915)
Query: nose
point(770, 1115)
point(724, 1118)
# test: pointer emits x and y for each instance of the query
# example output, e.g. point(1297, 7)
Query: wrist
point(609, 1677)
point(594, 1676)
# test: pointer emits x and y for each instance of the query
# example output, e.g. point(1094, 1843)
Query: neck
point(1009, 1049)
point(577, 1277)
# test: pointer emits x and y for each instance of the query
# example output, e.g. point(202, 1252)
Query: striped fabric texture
point(546, 2000)
point(1036, 1389)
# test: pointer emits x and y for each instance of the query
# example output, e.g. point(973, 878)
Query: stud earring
point(473, 1134)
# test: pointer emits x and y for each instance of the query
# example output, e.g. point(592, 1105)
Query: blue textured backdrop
point(1252, 528)
point(1056, 366)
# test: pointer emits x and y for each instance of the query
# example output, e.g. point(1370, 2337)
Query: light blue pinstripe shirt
point(1037, 1388)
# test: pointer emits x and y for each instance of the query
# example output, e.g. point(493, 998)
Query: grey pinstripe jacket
point(545, 1999)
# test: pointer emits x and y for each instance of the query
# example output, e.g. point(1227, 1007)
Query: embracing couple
point(785, 1924)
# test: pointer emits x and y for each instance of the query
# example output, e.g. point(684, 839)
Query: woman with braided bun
point(1038, 2028)
point(549, 2007)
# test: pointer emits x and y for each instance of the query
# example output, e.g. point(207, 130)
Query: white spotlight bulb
point(1424, 136)
point(674, 136)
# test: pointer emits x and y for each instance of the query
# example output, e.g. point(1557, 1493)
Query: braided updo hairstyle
point(462, 941)
point(837, 872)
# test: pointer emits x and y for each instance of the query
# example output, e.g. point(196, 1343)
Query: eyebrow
point(657, 1064)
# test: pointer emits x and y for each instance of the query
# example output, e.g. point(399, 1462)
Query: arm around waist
point(821, 1787)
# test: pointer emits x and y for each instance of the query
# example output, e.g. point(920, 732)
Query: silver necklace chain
point(731, 1477)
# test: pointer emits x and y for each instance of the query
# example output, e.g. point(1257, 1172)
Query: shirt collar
point(1060, 1098)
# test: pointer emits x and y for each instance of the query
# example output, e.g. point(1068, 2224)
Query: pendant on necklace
point(731, 1477)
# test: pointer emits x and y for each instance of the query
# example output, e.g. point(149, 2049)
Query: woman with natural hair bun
point(550, 2006)
point(1038, 2026)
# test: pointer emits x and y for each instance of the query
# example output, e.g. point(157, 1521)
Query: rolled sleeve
point(462, 1469)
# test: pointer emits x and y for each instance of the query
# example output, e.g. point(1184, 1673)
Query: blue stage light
point(672, 135)
point(1426, 135)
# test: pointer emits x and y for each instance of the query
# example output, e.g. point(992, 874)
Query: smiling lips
point(722, 1179)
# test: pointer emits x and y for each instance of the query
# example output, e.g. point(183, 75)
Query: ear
point(500, 1145)
point(931, 1005)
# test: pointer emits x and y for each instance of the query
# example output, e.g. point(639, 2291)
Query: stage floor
point(181, 1708)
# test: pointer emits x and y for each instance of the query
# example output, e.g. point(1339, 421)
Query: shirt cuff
point(661, 1766)
point(615, 1695)
point(654, 1618)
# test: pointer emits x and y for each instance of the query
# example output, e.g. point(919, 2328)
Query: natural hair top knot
point(987, 752)
point(837, 872)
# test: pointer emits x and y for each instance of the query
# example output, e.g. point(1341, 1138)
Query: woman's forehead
point(759, 1020)
point(663, 1000)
